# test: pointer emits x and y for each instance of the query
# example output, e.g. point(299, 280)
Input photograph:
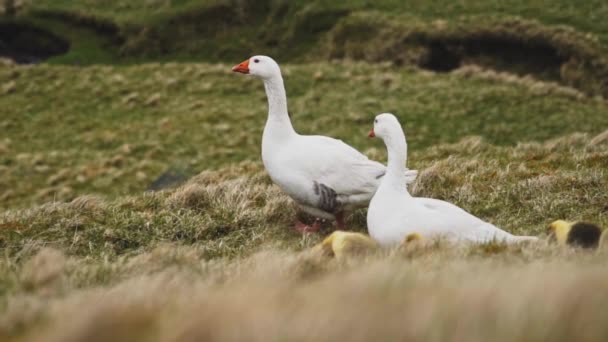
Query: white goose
point(324, 176)
point(393, 213)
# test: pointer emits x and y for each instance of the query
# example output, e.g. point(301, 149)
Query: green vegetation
point(565, 43)
point(113, 130)
point(505, 113)
point(586, 17)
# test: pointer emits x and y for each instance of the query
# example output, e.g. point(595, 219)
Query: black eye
point(256, 61)
point(376, 121)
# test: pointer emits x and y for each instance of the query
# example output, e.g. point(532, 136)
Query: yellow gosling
point(559, 230)
point(413, 237)
point(578, 234)
point(341, 245)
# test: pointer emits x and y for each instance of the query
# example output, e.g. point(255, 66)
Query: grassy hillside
point(113, 130)
point(586, 17)
point(235, 209)
point(559, 42)
point(505, 112)
point(181, 264)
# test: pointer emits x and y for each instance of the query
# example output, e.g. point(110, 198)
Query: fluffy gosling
point(578, 234)
point(341, 245)
point(413, 237)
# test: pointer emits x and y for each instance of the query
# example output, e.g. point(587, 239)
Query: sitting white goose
point(393, 213)
point(324, 176)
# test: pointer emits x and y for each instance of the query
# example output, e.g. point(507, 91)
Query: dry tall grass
point(438, 292)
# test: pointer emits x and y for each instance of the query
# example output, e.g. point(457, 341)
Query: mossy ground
point(89, 254)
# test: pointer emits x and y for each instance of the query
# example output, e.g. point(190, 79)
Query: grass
point(561, 43)
point(113, 130)
point(223, 239)
point(234, 210)
point(174, 294)
point(146, 90)
point(587, 17)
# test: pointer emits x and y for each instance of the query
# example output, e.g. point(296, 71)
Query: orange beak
point(243, 67)
point(372, 134)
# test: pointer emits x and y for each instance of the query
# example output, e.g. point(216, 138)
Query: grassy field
point(518, 138)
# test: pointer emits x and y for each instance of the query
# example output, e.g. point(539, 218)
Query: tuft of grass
point(238, 214)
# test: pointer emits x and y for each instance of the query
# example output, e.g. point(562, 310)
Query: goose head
point(386, 126)
point(263, 67)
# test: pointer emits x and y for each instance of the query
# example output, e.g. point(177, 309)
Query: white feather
point(393, 213)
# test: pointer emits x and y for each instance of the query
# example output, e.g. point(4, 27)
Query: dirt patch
point(100, 25)
point(26, 44)
point(498, 52)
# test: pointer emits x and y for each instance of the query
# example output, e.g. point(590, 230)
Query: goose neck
point(397, 157)
point(277, 105)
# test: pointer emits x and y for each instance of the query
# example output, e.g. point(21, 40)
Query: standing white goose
point(324, 176)
point(393, 213)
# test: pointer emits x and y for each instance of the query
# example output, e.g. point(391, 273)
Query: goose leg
point(340, 221)
point(304, 228)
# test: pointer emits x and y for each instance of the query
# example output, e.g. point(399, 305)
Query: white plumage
point(393, 213)
point(323, 175)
